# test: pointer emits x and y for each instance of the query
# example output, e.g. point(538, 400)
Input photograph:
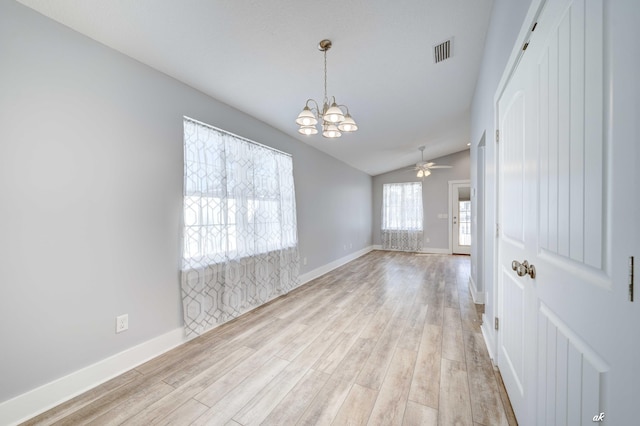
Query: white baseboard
point(427, 250)
point(45, 397)
point(431, 250)
point(477, 296)
point(318, 272)
point(488, 335)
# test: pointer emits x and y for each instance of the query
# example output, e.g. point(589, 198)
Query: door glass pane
point(464, 232)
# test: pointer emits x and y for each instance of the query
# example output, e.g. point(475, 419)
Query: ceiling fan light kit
point(424, 168)
point(335, 118)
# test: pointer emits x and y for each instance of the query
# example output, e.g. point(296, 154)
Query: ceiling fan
point(424, 168)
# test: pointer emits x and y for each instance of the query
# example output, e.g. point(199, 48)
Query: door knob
point(523, 268)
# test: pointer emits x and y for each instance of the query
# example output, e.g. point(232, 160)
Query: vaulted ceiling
point(261, 57)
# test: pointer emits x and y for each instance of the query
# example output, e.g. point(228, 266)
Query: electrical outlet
point(428, 239)
point(304, 260)
point(350, 245)
point(122, 323)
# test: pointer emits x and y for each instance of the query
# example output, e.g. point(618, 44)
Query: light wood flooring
point(388, 339)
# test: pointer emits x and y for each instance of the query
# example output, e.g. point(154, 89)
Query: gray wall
point(435, 197)
point(507, 17)
point(91, 198)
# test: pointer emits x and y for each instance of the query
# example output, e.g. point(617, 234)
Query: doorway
point(460, 205)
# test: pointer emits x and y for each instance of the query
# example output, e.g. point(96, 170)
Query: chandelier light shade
point(333, 114)
point(335, 119)
point(330, 131)
point(306, 118)
point(348, 125)
point(308, 130)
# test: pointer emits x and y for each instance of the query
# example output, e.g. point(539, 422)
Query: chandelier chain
point(325, 77)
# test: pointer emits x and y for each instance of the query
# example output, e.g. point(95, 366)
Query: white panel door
point(566, 335)
point(516, 295)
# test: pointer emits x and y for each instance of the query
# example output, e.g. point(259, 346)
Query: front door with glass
point(461, 218)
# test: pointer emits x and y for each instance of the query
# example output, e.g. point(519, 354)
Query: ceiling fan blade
point(430, 164)
point(440, 167)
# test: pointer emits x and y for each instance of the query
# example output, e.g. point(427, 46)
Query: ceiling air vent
point(442, 51)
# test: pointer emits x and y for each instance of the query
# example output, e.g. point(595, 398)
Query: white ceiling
point(261, 57)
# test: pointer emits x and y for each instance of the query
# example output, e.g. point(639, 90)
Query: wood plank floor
point(388, 339)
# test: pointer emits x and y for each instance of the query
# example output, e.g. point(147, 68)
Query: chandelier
point(335, 118)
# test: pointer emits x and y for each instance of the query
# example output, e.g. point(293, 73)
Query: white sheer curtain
point(402, 216)
point(240, 234)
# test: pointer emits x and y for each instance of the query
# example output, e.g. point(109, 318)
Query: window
point(402, 216)
point(464, 232)
point(239, 235)
point(239, 197)
point(402, 206)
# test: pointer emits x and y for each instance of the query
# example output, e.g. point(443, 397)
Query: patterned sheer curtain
point(402, 216)
point(240, 234)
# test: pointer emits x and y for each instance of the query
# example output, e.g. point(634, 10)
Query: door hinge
point(525, 46)
point(631, 273)
point(497, 230)
point(497, 135)
point(496, 324)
